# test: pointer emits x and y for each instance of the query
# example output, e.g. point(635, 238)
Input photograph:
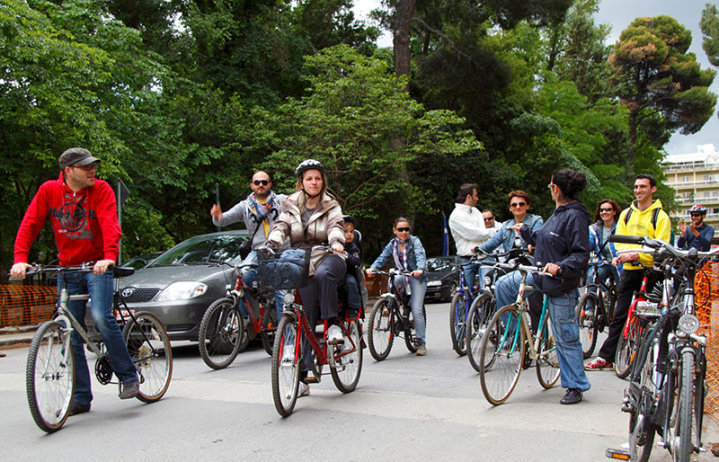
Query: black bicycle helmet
point(308, 164)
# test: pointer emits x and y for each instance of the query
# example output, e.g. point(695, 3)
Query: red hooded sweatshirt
point(84, 222)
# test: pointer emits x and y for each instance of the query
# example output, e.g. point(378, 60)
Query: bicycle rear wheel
point(627, 349)
point(269, 325)
point(502, 355)
point(380, 335)
point(547, 359)
point(458, 323)
point(150, 350)
point(480, 313)
point(50, 376)
point(286, 356)
point(221, 331)
point(683, 446)
point(346, 362)
point(586, 317)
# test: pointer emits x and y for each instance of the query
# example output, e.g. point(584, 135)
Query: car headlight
point(434, 283)
point(182, 290)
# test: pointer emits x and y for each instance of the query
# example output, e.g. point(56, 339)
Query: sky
point(619, 14)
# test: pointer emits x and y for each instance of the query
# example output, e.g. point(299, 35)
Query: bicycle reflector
point(688, 323)
point(617, 454)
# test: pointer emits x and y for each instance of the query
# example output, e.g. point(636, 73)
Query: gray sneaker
point(129, 389)
point(422, 350)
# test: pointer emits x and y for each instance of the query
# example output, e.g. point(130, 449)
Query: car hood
point(437, 275)
point(162, 276)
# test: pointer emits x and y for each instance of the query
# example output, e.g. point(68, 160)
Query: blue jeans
point(100, 289)
point(470, 273)
point(507, 288)
point(566, 336)
point(249, 274)
point(354, 298)
point(416, 300)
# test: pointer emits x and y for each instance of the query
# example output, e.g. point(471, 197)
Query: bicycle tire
point(269, 324)
point(380, 335)
point(286, 374)
point(627, 349)
point(480, 313)
point(149, 347)
point(641, 428)
point(686, 408)
point(547, 357)
point(588, 328)
point(220, 332)
point(410, 335)
point(346, 368)
point(458, 324)
point(49, 379)
point(502, 358)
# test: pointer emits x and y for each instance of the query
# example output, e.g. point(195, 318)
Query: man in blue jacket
point(698, 234)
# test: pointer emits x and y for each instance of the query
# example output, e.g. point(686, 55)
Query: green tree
point(710, 29)
point(653, 73)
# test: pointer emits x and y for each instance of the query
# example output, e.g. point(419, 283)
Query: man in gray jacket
point(258, 211)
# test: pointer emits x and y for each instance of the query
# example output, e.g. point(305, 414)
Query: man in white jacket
point(467, 226)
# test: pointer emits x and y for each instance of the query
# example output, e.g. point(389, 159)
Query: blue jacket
point(596, 231)
point(701, 243)
point(505, 236)
point(564, 241)
point(416, 257)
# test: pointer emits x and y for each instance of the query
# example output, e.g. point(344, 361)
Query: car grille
point(134, 295)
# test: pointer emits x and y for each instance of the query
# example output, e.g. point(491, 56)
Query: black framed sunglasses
point(404, 230)
point(261, 182)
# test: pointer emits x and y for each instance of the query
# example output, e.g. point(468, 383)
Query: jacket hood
point(575, 205)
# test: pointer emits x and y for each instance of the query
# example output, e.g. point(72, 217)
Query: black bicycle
point(595, 309)
point(667, 382)
point(391, 316)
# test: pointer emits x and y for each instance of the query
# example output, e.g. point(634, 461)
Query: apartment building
point(695, 178)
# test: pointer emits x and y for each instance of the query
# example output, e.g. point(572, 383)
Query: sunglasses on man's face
point(261, 182)
point(489, 219)
point(403, 230)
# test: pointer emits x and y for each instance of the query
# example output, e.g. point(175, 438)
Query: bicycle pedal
point(620, 454)
point(312, 380)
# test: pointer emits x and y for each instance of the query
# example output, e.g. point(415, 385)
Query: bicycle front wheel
point(480, 313)
point(683, 446)
point(627, 349)
point(150, 350)
point(547, 359)
point(50, 376)
point(410, 335)
point(502, 355)
point(346, 362)
point(380, 335)
point(458, 323)
point(286, 356)
point(221, 331)
point(586, 317)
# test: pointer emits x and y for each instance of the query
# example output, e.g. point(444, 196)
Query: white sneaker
point(288, 355)
point(334, 335)
point(303, 389)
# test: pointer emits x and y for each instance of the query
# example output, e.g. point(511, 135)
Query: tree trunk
point(405, 12)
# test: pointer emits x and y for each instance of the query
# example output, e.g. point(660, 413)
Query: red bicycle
point(343, 358)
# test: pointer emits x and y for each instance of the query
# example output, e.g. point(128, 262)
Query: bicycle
point(344, 358)
point(667, 385)
point(504, 346)
point(50, 377)
point(630, 339)
point(595, 308)
point(485, 305)
point(223, 329)
point(391, 316)
point(459, 310)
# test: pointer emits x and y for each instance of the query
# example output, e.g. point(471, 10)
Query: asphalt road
point(405, 408)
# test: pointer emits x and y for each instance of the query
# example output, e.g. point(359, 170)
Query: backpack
point(655, 217)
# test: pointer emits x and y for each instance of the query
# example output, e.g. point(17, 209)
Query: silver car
point(180, 284)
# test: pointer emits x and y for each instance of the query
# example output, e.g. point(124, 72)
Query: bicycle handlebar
point(117, 271)
point(656, 245)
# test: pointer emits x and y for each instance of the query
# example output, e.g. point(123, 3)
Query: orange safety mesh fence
point(706, 286)
point(25, 305)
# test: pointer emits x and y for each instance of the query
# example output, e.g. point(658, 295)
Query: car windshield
point(436, 264)
point(203, 249)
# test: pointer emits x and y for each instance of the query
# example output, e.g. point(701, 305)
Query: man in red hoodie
point(83, 217)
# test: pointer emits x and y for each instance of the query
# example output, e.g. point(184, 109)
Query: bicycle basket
point(287, 270)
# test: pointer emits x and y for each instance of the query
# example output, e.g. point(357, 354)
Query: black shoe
point(573, 396)
point(79, 408)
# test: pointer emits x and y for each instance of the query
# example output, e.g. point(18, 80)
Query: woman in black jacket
point(562, 249)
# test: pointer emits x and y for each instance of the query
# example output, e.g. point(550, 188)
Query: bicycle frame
point(239, 293)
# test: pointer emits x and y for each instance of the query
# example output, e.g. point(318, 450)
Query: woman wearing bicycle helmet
point(312, 217)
